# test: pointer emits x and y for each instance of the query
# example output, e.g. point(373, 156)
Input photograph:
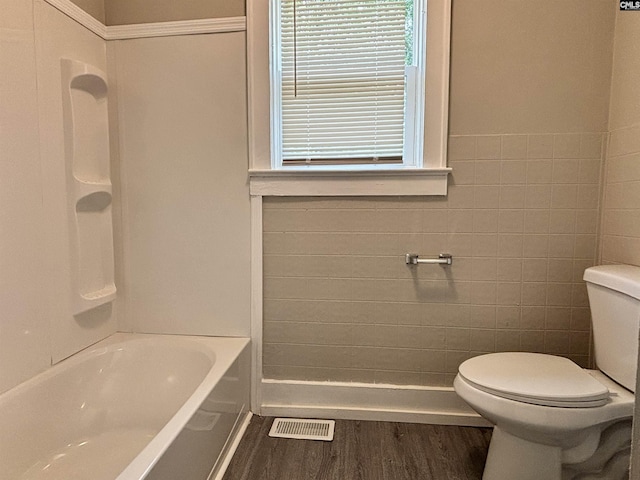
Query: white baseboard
point(362, 401)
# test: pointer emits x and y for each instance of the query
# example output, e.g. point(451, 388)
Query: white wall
point(36, 324)
point(182, 235)
point(57, 36)
point(183, 160)
point(24, 327)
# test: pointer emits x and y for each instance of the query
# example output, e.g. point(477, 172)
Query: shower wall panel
point(76, 187)
point(24, 341)
point(183, 151)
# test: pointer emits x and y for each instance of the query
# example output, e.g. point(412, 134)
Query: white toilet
point(554, 420)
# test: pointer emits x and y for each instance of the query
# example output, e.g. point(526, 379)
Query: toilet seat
point(539, 379)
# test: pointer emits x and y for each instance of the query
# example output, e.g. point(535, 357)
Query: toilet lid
point(534, 378)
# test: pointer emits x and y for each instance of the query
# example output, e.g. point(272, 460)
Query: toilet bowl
point(552, 419)
point(533, 440)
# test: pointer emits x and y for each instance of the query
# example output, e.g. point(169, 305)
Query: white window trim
point(429, 179)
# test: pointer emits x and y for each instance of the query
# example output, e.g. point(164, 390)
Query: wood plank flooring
point(363, 451)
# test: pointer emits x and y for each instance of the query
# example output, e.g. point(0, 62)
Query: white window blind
point(342, 81)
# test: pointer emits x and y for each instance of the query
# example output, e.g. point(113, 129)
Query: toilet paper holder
point(414, 259)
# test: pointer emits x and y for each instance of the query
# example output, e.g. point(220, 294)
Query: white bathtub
point(130, 407)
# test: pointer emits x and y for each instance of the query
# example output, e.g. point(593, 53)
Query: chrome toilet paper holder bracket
point(442, 259)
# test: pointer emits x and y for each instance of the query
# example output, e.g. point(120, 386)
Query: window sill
point(337, 182)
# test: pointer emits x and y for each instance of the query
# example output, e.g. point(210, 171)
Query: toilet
point(554, 420)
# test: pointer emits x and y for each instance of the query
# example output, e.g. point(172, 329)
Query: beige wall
point(122, 12)
point(530, 67)
point(621, 210)
point(95, 8)
point(625, 94)
point(520, 219)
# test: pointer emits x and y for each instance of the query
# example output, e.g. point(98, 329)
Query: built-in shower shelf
point(90, 300)
point(85, 189)
point(89, 190)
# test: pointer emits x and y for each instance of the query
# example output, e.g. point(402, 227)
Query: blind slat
point(350, 77)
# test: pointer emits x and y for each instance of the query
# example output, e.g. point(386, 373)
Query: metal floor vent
point(302, 429)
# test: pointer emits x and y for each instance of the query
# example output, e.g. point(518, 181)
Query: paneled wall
point(184, 158)
point(58, 37)
point(183, 166)
point(36, 320)
point(520, 220)
point(24, 341)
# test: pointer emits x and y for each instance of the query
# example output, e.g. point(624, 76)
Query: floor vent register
point(302, 429)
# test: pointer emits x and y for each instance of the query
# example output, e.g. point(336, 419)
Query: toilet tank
point(614, 298)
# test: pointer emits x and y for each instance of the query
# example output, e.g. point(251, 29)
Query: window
point(348, 90)
point(347, 78)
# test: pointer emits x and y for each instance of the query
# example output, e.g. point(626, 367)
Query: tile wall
point(621, 208)
point(521, 222)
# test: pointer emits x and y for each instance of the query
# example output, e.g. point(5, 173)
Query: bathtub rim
point(103, 346)
point(225, 350)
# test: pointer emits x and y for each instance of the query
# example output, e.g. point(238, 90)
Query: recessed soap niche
point(89, 193)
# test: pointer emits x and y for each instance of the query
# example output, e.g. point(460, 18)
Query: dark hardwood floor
point(363, 451)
